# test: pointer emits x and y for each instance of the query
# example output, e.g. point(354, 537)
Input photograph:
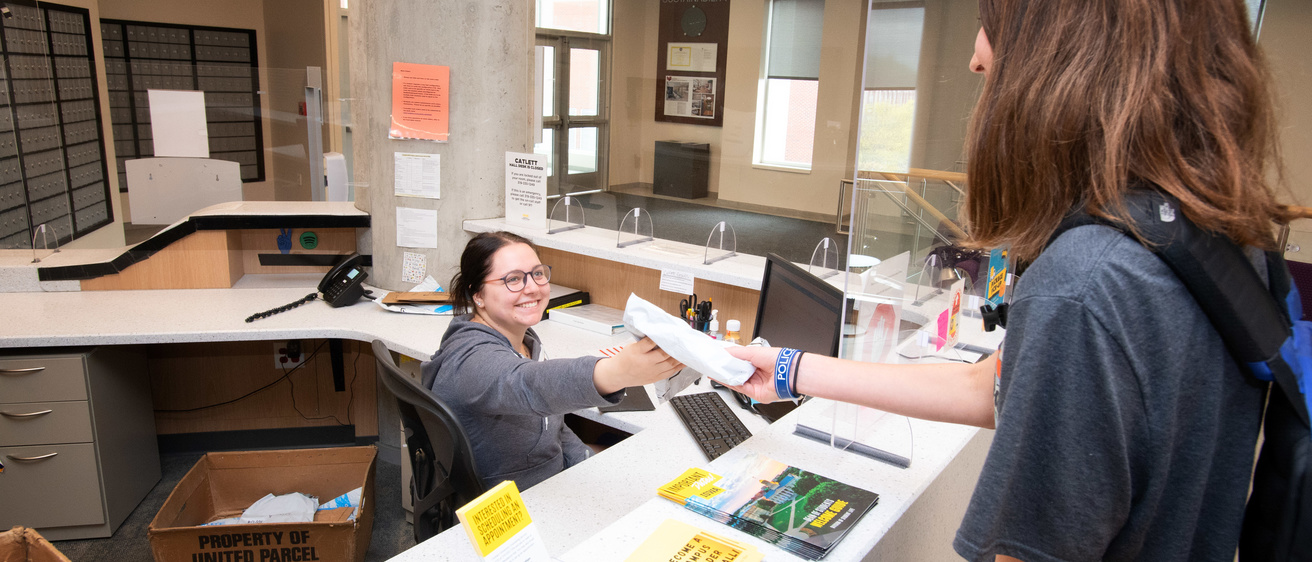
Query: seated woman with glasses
point(491, 370)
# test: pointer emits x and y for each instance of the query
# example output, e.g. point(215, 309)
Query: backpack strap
point(1249, 315)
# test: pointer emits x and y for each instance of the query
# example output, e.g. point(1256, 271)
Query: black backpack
point(1264, 330)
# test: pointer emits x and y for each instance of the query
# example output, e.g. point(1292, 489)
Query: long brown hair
point(1086, 98)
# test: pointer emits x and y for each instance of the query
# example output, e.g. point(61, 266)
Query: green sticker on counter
point(309, 240)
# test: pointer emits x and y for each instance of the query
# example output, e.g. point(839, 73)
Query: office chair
point(444, 475)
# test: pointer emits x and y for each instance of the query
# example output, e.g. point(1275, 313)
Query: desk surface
point(598, 510)
point(605, 507)
point(212, 315)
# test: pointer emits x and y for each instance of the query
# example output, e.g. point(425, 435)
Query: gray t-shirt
point(1125, 430)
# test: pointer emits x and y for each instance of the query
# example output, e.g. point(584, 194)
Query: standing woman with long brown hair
point(1125, 431)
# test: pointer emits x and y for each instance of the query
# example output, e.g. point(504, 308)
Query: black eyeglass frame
point(504, 279)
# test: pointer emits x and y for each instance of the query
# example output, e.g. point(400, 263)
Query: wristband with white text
point(783, 373)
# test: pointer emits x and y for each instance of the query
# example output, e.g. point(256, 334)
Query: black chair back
point(444, 475)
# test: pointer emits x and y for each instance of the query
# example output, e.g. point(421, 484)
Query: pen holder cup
point(701, 326)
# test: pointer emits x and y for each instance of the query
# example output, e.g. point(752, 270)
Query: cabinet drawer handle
point(28, 415)
point(21, 371)
point(31, 459)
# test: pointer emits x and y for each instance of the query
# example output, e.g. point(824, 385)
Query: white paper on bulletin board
point(416, 228)
point(418, 175)
point(691, 57)
point(177, 123)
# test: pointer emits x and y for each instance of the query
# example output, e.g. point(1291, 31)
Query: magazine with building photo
point(798, 510)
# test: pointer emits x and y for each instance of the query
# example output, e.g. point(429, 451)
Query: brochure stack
point(797, 510)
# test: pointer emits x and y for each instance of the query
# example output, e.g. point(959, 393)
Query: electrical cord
point(283, 308)
point(349, 397)
point(286, 374)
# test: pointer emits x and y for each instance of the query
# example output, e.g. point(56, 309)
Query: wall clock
point(693, 21)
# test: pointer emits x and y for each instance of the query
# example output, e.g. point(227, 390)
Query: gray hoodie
point(513, 407)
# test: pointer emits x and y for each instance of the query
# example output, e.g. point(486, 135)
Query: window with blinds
point(792, 53)
point(221, 62)
point(894, 33)
point(52, 157)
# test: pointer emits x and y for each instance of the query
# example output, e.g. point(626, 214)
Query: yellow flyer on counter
point(420, 109)
point(499, 527)
point(693, 482)
point(676, 541)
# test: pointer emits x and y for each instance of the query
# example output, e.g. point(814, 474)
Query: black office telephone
point(342, 285)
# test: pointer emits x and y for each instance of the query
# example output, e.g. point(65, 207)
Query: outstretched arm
point(950, 392)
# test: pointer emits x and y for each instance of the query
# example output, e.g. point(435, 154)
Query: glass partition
point(911, 296)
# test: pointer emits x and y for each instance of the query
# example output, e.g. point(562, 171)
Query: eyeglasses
point(515, 280)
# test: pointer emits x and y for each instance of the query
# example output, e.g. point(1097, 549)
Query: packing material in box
point(222, 485)
point(21, 544)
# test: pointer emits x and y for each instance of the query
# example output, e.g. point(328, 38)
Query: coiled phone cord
point(283, 308)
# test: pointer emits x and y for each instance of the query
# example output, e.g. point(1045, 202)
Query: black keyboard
point(710, 421)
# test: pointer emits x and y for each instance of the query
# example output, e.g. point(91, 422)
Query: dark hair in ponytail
point(476, 263)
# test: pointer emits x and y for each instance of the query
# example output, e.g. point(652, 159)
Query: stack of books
point(794, 509)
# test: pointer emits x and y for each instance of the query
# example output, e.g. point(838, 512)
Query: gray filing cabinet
point(77, 439)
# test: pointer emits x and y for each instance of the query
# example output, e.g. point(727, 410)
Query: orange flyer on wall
point(419, 102)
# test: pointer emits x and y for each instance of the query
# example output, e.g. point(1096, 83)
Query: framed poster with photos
point(690, 68)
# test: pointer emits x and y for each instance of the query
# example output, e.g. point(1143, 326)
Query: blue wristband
point(783, 373)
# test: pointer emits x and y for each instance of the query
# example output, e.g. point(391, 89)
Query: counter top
point(210, 315)
point(604, 508)
point(741, 270)
point(60, 271)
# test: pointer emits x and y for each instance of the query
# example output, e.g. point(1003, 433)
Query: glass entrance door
point(575, 111)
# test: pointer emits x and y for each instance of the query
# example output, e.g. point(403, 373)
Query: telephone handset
point(342, 285)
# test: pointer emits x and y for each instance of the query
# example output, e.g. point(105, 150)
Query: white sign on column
point(526, 190)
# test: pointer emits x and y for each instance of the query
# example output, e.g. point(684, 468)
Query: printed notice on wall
point(688, 96)
point(420, 109)
point(691, 57)
point(417, 175)
point(526, 190)
point(676, 281)
point(416, 228)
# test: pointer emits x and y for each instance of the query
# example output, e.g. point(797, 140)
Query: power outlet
point(287, 355)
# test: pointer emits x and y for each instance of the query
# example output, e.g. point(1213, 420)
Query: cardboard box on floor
point(21, 544)
point(224, 484)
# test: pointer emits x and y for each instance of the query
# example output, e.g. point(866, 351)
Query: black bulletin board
point(688, 96)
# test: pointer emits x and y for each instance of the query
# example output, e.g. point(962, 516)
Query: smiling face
point(511, 313)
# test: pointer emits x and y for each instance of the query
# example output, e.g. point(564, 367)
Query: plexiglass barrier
point(566, 214)
point(635, 228)
point(824, 259)
point(911, 296)
point(721, 244)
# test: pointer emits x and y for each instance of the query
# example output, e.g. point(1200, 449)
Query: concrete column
point(488, 44)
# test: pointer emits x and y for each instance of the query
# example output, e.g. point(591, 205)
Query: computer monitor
point(798, 309)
